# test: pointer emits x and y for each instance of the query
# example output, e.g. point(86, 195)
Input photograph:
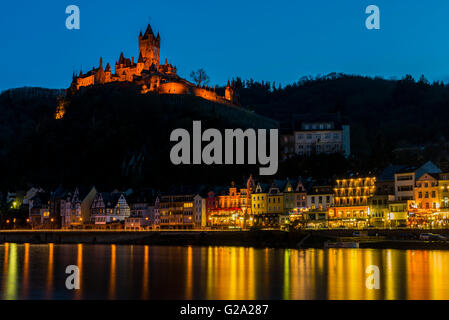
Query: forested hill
point(114, 136)
point(111, 136)
point(384, 114)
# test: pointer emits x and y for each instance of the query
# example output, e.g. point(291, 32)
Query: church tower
point(149, 46)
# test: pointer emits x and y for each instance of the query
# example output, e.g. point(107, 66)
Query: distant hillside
point(114, 136)
point(384, 114)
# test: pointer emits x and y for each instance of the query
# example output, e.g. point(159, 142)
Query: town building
point(351, 202)
point(406, 177)
point(176, 211)
point(319, 198)
point(109, 207)
point(142, 210)
point(398, 213)
point(316, 134)
point(199, 211)
point(443, 198)
point(39, 211)
point(290, 195)
point(259, 203)
point(75, 208)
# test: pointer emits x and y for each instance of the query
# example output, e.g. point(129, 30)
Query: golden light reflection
point(244, 273)
point(49, 284)
point(145, 272)
point(189, 275)
point(11, 292)
point(286, 292)
point(233, 285)
point(112, 273)
point(26, 270)
point(79, 262)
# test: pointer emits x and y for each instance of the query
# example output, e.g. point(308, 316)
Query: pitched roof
point(148, 31)
point(428, 167)
point(388, 173)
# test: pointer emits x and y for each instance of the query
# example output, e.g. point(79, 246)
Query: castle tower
point(149, 46)
point(229, 92)
point(100, 77)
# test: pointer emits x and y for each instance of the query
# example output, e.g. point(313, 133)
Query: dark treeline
point(402, 121)
point(113, 137)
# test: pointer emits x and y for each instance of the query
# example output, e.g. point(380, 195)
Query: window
point(404, 178)
point(433, 194)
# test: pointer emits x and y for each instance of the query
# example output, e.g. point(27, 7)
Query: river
point(33, 271)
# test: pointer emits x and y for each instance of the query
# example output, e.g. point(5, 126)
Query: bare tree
point(199, 77)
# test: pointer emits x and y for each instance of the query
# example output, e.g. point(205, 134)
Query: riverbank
point(377, 239)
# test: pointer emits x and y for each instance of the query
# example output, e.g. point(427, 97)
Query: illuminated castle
point(150, 74)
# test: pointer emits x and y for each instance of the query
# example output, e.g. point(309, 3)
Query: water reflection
point(112, 272)
point(144, 272)
point(11, 283)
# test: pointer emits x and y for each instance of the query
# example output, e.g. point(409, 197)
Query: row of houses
point(400, 196)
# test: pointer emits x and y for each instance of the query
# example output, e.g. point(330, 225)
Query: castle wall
point(205, 94)
point(174, 88)
point(86, 81)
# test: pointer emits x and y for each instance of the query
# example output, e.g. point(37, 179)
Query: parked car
point(442, 237)
point(429, 236)
point(360, 234)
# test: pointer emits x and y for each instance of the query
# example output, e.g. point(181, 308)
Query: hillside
point(113, 136)
point(386, 116)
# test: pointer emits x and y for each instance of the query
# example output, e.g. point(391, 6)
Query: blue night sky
point(265, 40)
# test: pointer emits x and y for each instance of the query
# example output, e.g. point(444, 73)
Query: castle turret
point(229, 92)
point(149, 47)
point(99, 74)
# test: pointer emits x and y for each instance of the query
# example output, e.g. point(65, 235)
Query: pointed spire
point(227, 84)
point(140, 60)
point(108, 67)
point(101, 63)
point(165, 60)
point(148, 31)
point(140, 34)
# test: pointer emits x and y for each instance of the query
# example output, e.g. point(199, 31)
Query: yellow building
point(443, 198)
point(351, 202)
point(425, 206)
point(267, 205)
point(259, 200)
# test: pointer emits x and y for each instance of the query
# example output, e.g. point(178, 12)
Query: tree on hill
point(199, 77)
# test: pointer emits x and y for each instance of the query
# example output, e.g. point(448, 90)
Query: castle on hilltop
point(149, 74)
